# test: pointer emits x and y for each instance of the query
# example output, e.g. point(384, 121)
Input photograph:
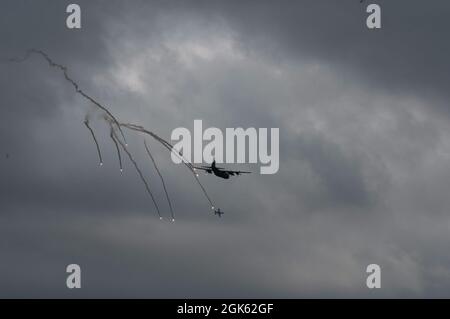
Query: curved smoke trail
point(147, 187)
point(162, 179)
point(119, 156)
point(166, 144)
point(86, 122)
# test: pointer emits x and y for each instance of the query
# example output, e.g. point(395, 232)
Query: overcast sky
point(364, 149)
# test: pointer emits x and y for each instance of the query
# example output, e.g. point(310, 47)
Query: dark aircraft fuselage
point(219, 173)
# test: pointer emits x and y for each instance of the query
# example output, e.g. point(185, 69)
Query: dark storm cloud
point(363, 149)
point(409, 53)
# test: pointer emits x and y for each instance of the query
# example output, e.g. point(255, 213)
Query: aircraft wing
point(208, 169)
point(204, 168)
point(232, 173)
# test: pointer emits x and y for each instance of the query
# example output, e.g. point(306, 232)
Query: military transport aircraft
point(218, 171)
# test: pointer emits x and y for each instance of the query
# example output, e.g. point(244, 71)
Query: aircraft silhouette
point(219, 172)
point(218, 212)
